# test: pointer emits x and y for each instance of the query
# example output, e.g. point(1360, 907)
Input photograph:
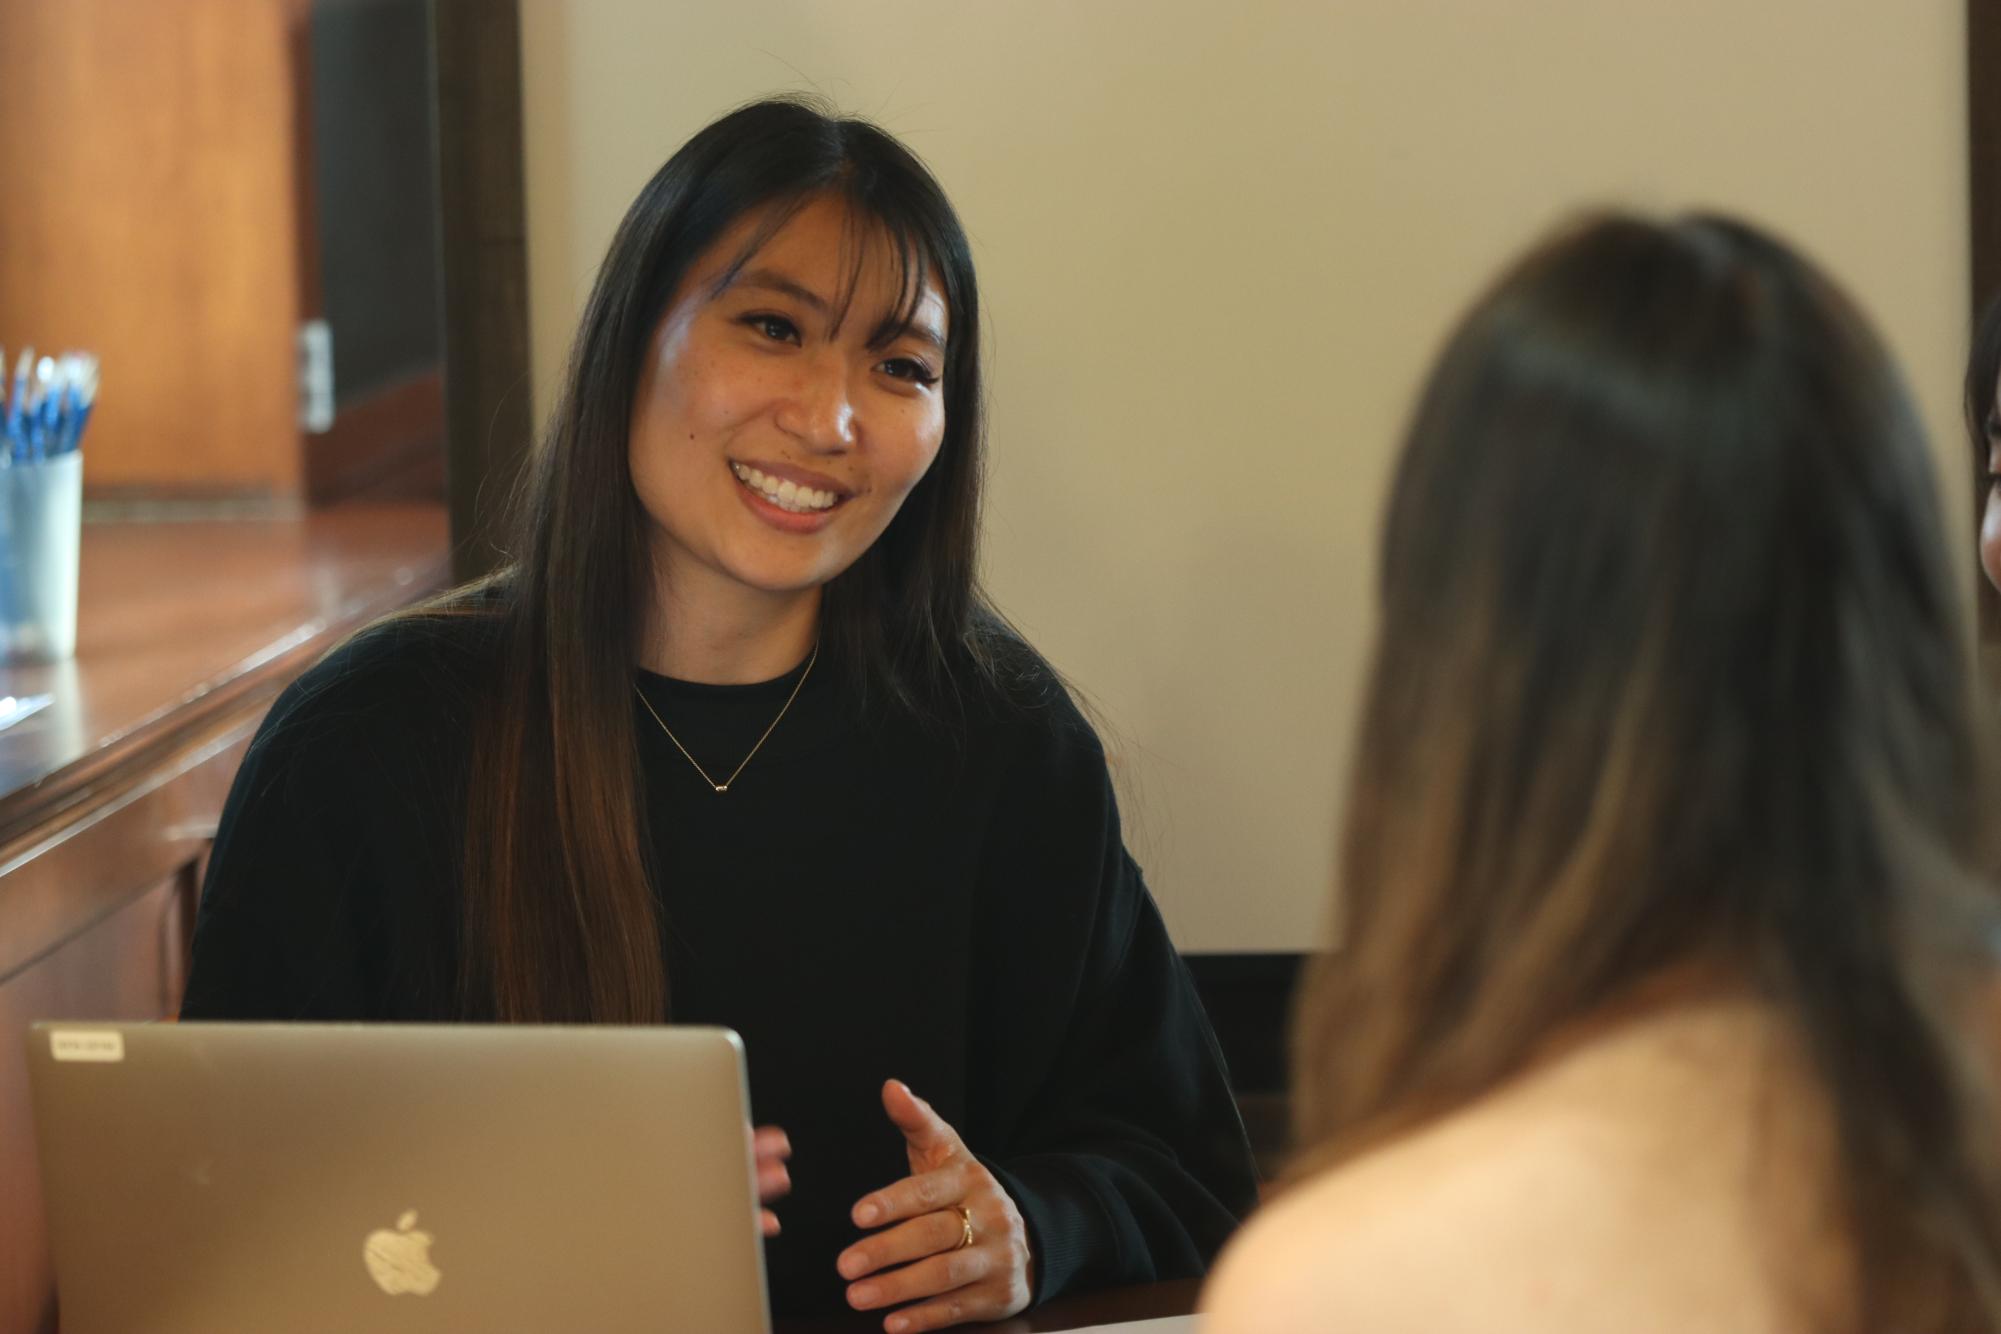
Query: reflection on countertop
point(180, 621)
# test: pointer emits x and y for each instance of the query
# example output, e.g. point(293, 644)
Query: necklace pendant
point(721, 788)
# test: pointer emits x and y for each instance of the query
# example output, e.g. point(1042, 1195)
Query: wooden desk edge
point(1147, 1301)
point(27, 812)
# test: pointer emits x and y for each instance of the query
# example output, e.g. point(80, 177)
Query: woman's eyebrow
point(924, 331)
point(772, 281)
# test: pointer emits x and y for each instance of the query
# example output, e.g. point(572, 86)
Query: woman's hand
point(771, 1148)
point(924, 1257)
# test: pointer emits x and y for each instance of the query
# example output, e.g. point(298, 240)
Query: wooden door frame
point(483, 241)
point(1983, 122)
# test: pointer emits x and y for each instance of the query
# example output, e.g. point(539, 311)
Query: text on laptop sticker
point(76, 1044)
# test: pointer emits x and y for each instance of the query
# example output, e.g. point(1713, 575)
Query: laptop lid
point(230, 1178)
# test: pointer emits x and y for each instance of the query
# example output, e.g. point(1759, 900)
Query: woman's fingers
point(926, 1278)
point(983, 1302)
point(773, 1182)
point(913, 1240)
point(771, 1148)
point(911, 1197)
point(948, 1276)
point(929, 1138)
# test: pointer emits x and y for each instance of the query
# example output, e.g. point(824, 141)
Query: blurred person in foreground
point(1664, 993)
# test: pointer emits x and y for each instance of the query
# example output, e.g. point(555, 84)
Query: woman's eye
point(909, 368)
point(775, 327)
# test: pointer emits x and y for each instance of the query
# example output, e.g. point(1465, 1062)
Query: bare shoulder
point(1626, 1187)
point(1295, 1266)
point(1428, 1234)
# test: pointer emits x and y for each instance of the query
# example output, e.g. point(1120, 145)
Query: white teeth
point(787, 495)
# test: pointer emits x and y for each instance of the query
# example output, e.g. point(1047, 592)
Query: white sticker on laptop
point(87, 1044)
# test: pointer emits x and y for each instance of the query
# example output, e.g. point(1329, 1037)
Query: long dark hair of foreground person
point(1671, 670)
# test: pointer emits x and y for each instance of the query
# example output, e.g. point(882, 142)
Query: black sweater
point(871, 899)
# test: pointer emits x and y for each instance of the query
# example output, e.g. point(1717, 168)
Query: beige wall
point(1219, 244)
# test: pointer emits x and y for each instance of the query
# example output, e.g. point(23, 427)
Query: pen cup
point(41, 531)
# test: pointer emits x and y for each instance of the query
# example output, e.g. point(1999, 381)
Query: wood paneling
point(55, 886)
point(109, 797)
point(483, 232)
point(1983, 86)
point(392, 438)
point(130, 966)
point(150, 214)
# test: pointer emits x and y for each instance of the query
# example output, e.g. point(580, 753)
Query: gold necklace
point(724, 786)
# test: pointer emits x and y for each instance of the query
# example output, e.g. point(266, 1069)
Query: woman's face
point(1990, 521)
point(770, 445)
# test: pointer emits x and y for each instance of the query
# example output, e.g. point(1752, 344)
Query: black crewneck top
point(873, 898)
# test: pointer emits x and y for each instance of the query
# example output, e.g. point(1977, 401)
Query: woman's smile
point(806, 379)
point(790, 500)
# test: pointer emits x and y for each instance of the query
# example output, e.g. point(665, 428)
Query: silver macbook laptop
point(231, 1178)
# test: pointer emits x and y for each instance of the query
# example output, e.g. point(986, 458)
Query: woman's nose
point(819, 411)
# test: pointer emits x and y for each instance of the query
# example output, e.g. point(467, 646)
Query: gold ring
point(966, 1221)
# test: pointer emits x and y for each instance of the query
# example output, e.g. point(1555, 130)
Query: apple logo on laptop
point(400, 1261)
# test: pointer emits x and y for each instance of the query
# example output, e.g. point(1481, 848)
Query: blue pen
point(86, 396)
point(31, 412)
point(69, 375)
point(17, 440)
point(48, 409)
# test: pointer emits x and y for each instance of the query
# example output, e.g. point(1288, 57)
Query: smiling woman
point(759, 388)
point(736, 740)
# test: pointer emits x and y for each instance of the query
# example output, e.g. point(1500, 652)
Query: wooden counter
point(1115, 1306)
point(109, 795)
